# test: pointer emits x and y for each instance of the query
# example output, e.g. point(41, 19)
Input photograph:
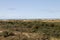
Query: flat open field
point(29, 29)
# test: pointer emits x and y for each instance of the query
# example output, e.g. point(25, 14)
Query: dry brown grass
point(52, 38)
point(51, 21)
point(26, 35)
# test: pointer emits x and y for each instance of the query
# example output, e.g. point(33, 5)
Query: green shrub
point(7, 33)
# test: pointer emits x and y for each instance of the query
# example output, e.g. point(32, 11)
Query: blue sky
point(29, 9)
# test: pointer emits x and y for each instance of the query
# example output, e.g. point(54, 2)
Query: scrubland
point(29, 29)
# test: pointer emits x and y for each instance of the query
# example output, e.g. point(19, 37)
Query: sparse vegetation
point(51, 29)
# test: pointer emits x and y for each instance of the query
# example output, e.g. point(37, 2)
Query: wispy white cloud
point(51, 10)
point(11, 9)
